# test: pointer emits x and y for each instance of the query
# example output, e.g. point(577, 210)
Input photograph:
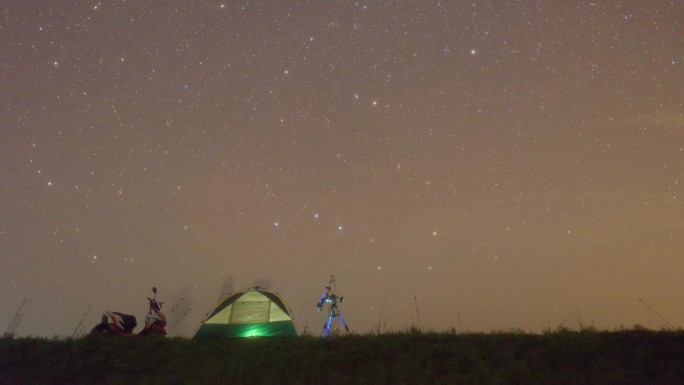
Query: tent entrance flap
point(250, 312)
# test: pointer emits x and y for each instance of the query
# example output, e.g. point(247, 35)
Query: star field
point(497, 165)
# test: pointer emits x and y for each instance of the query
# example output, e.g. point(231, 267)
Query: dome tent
point(249, 313)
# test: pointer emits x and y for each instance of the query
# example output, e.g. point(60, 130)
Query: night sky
point(481, 165)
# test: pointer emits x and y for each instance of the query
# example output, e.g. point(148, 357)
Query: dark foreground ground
point(562, 357)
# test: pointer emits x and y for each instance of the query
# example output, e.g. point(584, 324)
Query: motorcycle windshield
point(152, 318)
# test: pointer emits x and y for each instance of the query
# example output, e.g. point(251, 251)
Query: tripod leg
point(326, 327)
point(344, 323)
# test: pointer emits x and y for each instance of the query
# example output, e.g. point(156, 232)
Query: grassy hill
point(561, 357)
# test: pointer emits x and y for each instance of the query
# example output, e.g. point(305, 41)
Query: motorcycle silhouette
point(120, 324)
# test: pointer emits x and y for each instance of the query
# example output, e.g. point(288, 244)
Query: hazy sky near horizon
point(486, 164)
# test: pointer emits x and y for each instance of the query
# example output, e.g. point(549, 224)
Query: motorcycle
point(120, 324)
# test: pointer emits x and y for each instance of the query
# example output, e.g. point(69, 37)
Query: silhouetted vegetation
point(560, 357)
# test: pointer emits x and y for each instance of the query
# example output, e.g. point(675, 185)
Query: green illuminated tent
point(249, 313)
